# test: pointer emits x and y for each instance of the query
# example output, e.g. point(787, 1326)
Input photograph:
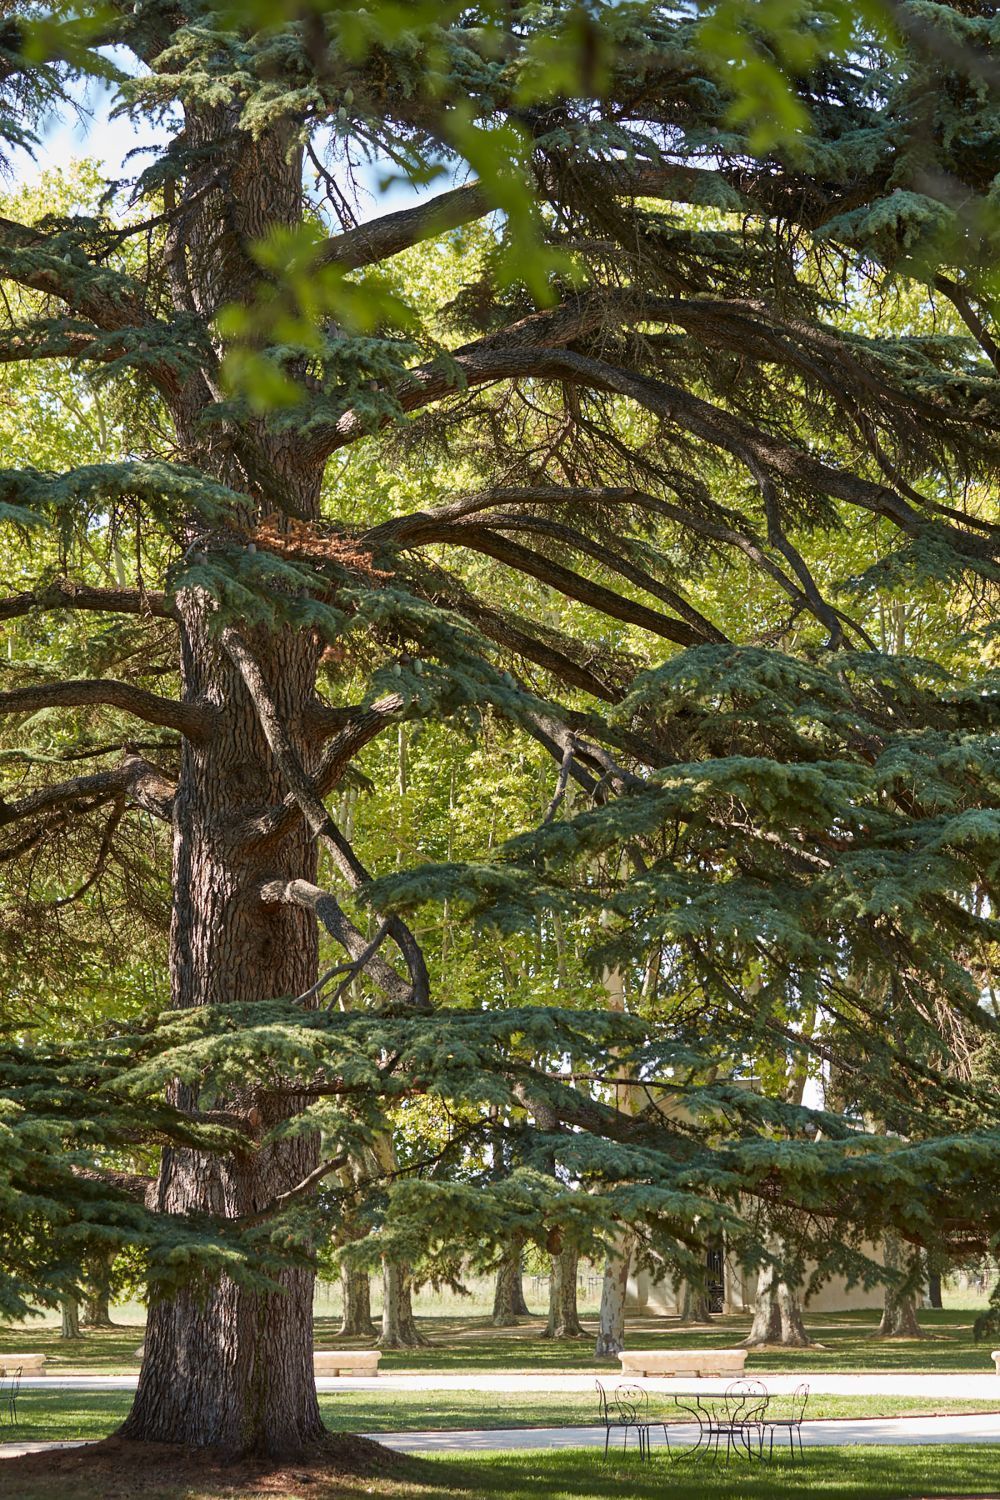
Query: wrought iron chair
point(627, 1409)
point(791, 1424)
point(741, 1420)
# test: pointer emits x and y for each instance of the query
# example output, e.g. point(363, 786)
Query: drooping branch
point(190, 719)
point(572, 585)
point(492, 360)
point(313, 809)
point(572, 670)
point(617, 563)
point(340, 927)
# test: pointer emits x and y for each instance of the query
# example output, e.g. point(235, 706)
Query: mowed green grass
point(854, 1474)
point(471, 1343)
point(60, 1416)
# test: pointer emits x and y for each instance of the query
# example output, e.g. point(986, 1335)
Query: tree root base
point(123, 1468)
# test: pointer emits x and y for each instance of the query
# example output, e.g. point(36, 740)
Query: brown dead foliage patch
point(117, 1469)
point(304, 541)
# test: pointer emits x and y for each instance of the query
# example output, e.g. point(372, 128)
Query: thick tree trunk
point(508, 1293)
point(97, 1305)
point(97, 1310)
point(399, 1327)
point(611, 1328)
point(899, 1310)
point(70, 1309)
point(357, 1292)
point(693, 1308)
point(564, 1321)
point(227, 1365)
point(777, 1315)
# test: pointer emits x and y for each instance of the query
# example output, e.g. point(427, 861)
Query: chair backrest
point(632, 1402)
point(800, 1397)
point(746, 1400)
point(602, 1401)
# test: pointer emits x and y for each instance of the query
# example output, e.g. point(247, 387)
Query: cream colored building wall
point(658, 1297)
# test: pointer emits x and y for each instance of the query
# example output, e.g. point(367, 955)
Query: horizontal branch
point(140, 782)
point(190, 719)
point(384, 237)
point(63, 593)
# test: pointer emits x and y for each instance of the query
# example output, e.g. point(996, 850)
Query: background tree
point(635, 406)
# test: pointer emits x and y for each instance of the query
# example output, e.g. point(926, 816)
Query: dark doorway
point(715, 1282)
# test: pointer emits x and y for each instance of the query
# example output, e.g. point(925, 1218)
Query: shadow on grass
point(860, 1474)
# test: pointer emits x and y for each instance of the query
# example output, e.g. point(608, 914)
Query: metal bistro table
point(737, 1415)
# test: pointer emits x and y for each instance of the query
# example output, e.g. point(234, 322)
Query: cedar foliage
point(653, 379)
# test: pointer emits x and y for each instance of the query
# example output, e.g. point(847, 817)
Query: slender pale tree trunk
point(399, 1327)
point(70, 1310)
point(357, 1295)
point(614, 1289)
point(564, 1321)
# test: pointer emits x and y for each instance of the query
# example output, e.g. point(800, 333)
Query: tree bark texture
point(225, 1365)
point(508, 1295)
point(693, 1307)
point(399, 1327)
point(357, 1294)
point(564, 1321)
point(611, 1327)
point(777, 1317)
point(899, 1310)
point(97, 1310)
point(70, 1310)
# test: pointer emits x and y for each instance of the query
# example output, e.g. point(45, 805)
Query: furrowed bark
point(356, 1322)
point(564, 1321)
point(399, 1327)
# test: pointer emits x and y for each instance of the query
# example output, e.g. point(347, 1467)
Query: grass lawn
point(854, 1474)
point(471, 1343)
point(58, 1416)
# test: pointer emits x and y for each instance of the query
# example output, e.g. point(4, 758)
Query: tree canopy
point(637, 489)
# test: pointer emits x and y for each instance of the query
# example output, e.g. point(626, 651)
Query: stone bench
point(28, 1364)
point(683, 1361)
point(995, 1357)
point(336, 1361)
